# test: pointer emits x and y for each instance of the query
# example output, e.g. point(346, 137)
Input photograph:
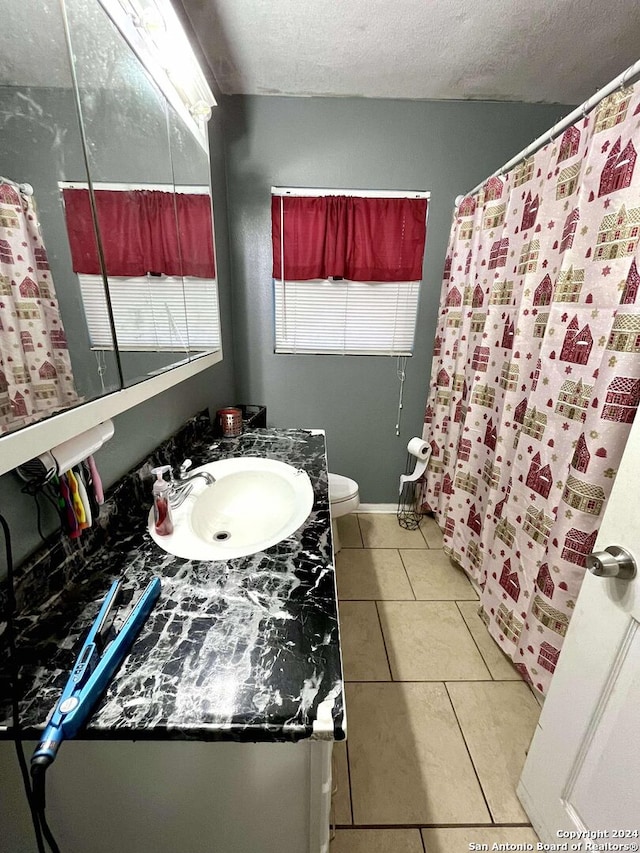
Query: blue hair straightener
point(96, 664)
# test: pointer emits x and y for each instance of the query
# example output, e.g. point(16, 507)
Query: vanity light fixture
point(201, 111)
point(156, 35)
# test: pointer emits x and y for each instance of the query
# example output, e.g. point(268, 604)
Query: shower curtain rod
point(27, 189)
point(618, 82)
point(4, 180)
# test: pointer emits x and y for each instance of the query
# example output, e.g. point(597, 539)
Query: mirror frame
point(30, 441)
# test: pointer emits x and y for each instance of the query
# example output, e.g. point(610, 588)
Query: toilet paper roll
point(422, 451)
point(70, 452)
point(418, 447)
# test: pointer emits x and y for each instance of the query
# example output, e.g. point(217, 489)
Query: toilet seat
point(341, 488)
point(343, 499)
point(343, 495)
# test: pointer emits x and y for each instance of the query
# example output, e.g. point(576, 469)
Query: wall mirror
point(103, 136)
point(47, 360)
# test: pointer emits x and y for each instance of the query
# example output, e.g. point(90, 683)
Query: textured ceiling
point(540, 50)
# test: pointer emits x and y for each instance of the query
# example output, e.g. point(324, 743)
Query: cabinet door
point(160, 797)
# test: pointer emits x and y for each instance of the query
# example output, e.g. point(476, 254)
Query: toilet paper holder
point(409, 512)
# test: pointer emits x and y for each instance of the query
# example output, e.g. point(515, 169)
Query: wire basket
point(253, 416)
point(409, 514)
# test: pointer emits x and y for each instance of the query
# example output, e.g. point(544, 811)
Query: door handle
point(613, 562)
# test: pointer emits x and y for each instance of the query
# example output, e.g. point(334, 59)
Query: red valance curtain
point(360, 239)
point(142, 231)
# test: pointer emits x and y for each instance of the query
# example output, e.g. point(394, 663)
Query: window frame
point(412, 292)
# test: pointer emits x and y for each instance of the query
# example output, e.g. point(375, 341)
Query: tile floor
point(438, 720)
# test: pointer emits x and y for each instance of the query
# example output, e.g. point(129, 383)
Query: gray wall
point(443, 147)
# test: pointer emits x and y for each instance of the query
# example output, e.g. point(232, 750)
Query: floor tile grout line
point(484, 660)
point(384, 643)
point(406, 545)
point(473, 640)
point(422, 841)
point(464, 740)
point(412, 600)
point(429, 681)
point(415, 597)
point(466, 628)
point(419, 529)
point(359, 530)
point(357, 826)
point(346, 749)
point(385, 548)
point(423, 536)
point(371, 680)
point(433, 518)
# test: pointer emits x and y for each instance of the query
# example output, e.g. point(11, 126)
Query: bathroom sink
point(254, 504)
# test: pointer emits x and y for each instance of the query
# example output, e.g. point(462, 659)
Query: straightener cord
point(39, 774)
point(17, 733)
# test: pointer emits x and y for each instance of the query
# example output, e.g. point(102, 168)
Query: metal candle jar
point(230, 421)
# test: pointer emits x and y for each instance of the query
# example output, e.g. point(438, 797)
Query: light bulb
point(201, 110)
point(152, 21)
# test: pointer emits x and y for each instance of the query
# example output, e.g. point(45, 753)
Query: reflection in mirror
point(190, 163)
point(156, 238)
point(124, 117)
point(46, 362)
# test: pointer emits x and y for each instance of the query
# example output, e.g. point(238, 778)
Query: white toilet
point(343, 499)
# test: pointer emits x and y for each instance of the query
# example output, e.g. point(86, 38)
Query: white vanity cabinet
point(175, 797)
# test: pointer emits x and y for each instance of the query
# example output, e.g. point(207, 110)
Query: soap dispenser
point(161, 507)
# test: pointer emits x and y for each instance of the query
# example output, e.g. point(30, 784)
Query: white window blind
point(153, 313)
point(345, 317)
point(328, 316)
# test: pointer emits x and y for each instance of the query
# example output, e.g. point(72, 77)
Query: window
point(152, 313)
point(158, 250)
point(352, 269)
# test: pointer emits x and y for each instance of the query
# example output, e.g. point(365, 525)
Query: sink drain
point(221, 536)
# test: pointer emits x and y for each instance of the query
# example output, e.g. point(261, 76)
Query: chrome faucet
point(182, 485)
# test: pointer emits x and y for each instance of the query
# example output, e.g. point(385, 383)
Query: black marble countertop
point(241, 650)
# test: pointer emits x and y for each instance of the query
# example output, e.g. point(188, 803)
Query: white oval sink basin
point(254, 504)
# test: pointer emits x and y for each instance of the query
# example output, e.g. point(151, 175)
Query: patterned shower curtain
point(35, 368)
point(536, 375)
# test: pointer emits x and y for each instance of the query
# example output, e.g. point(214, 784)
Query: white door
point(582, 773)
